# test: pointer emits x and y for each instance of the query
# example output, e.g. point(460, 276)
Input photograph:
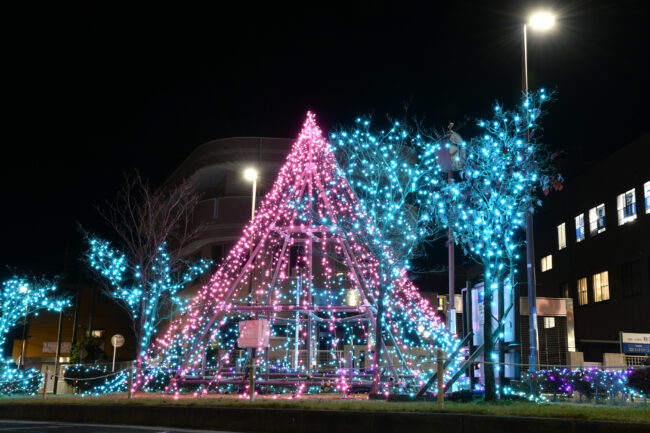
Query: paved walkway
point(53, 427)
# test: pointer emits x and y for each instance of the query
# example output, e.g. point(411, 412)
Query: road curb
point(278, 420)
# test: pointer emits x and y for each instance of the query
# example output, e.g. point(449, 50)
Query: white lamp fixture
point(542, 20)
point(250, 174)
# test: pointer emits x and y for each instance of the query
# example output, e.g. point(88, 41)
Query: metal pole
point(114, 352)
point(530, 246)
point(253, 201)
point(467, 313)
point(22, 350)
point(58, 353)
point(47, 373)
point(451, 311)
point(310, 258)
point(440, 372)
point(297, 331)
point(75, 321)
point(251, 390)
point(91, 315)
point(130, 391)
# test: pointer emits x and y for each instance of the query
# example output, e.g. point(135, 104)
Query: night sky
point(90, 92)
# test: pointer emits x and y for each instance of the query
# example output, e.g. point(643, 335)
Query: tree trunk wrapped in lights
point(145, 274)
point(502, 177)
point(384, 168)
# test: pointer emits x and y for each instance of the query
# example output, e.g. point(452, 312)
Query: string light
point(296, 265)
point(147, 294)
point(20, 297)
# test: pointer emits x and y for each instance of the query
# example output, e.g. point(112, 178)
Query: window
point(97, 333)
point(626, 206)
point(597, 220)
point(646, 194)
point(631, 277)
point(547, 263)
point(582, 291)
point(601, 287)
point(561, 236)
point(565, 290)
point(580, 227)
point(549, 322)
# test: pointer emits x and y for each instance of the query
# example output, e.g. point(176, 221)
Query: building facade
point(592, 244)
point(226, 196)
point(92, 314)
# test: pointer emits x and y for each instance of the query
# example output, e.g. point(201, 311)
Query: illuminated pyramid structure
point(302, 264)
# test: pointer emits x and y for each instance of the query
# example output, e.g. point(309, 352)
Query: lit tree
point(20, 297)
point(385, 171)
point(146, 276)
point(502, 175)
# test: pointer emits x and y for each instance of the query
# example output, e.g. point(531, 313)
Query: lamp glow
point(250, 174)
point(542, 20)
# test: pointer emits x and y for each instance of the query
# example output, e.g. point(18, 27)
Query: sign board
point(509, 306)
point(254, 333)
point(451, 320)
point(117, 340)
point(635, 343)
point(50, 346)
point(478, 315)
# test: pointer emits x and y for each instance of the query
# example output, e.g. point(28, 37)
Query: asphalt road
point(52, 427)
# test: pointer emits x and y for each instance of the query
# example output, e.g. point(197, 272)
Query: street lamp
point(24, 290)
point(251, 175)
point(539, 21)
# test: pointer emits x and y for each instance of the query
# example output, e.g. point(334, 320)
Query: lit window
point(646, 194)
point(561, 236)
point(97, 333)
point(549, 322)
point(547, 263)
point(626, 206)
point(601, 287)
point(580, 227)
point(597, 220)
point(582, 291)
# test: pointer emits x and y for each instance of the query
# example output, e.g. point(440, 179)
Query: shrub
point(85, 351)
point(86, 377)
point(14, 381)
point(639, 380)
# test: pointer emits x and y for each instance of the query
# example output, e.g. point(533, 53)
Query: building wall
point(614, 250)
point(107, 316)
point(226, 197)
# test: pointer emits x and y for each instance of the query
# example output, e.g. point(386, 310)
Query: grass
point(630, 413)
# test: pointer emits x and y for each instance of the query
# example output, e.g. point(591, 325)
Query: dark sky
point(90, 92)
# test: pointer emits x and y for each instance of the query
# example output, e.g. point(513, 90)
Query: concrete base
point(303, 421)
point(614, 360)
point(576, 359)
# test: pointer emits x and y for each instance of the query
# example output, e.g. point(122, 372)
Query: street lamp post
point(538, 21)
point(251, 175)
point(25, 291)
